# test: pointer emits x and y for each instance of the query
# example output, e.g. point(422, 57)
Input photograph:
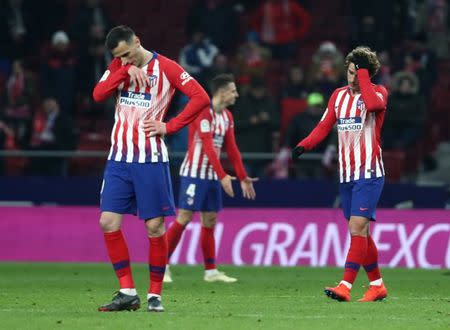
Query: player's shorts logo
point(135, 99)
point(349, 124)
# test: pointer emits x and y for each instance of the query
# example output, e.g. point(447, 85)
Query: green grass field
point(66, 296)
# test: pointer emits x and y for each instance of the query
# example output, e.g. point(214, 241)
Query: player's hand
point(227, 185)
point(248, 191)
point(154, 127)
point(297, 152)
point(138, 77)
point(361, 61)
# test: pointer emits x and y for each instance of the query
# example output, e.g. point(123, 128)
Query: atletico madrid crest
point(153, 79)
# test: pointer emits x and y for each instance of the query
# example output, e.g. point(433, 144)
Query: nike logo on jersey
point(363, 208)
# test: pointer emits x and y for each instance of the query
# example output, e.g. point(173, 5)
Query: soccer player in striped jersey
point(358, 109)
point(202, 175)
point(137, 178)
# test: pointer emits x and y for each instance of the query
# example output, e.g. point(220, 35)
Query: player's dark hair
point(374, 63)
point(118, 34)
point(220, 81)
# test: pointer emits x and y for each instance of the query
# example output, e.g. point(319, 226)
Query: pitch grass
point(66, 296)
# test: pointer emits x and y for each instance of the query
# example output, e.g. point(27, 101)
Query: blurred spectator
point(252, 58)
point(59, 133)
point(281, 25)
point(91, 20)
point(90, 69)
point(295, 86)
point(405, 118)
point(18, 27)
point(217, 20)
point(372, 23)
point(304, 122)
point(198, 55)
point(257, 121)
point(220, 65)
point(21, 95)
point(383, 76)
point(326, 73)
point(432, 18)
point(5, 133)
point(300, 126)
point(59, 72)
point(420, 60)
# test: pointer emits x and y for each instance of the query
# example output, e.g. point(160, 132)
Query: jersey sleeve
point(374, 96)
point(111, 79)
point(232, 149)
point(198, 98)
point(323, 128)
point(203, 125)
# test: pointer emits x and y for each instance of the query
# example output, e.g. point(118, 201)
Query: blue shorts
point(137, 188)
point(361, 197)
point(200, 195)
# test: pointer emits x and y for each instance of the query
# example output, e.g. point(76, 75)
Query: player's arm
point(374, 97)
point(111, 79)
point(248, 191)
point(203, 127)
point(320, 132)
point(198, 100)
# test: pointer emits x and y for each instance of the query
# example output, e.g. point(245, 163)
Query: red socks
point(157, 262)
point(371, 261)
point(208, 247)
point(174, 235)
point(355, 258)
point(120, 259)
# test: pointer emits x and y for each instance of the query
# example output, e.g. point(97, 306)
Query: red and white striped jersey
point(207, 135)
point(359, 119)
point(134, 104)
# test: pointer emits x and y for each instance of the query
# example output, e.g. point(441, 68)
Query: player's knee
point(108, 224)
point(209, 221)
point(357, 230)
point(155, 227)
point(184, 217)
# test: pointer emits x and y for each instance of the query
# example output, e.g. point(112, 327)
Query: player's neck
point(217, 105)
point(145, 57)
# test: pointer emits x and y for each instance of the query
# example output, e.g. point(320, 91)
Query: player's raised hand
point(248, 191)
point(154, 127)
point(138, 77)
point(227, 185)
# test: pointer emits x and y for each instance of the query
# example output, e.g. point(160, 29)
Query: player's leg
point(358, 228)
point(377, 290)
point(176, 229)
point(174, 234)
point(154, 196)
point(117, 198)
point(157, 261)
point(208, 246)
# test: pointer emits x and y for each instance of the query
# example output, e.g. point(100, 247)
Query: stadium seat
point(394, 164)
point(289, 108)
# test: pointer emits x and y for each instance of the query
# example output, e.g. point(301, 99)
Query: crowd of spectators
point(50, 63)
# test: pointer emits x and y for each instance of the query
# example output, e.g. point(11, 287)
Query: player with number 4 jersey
point(203, 177)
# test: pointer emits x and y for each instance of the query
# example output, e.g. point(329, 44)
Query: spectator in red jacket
point(281, 25)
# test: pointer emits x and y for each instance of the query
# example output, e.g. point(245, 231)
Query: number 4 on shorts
point(190, 191)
